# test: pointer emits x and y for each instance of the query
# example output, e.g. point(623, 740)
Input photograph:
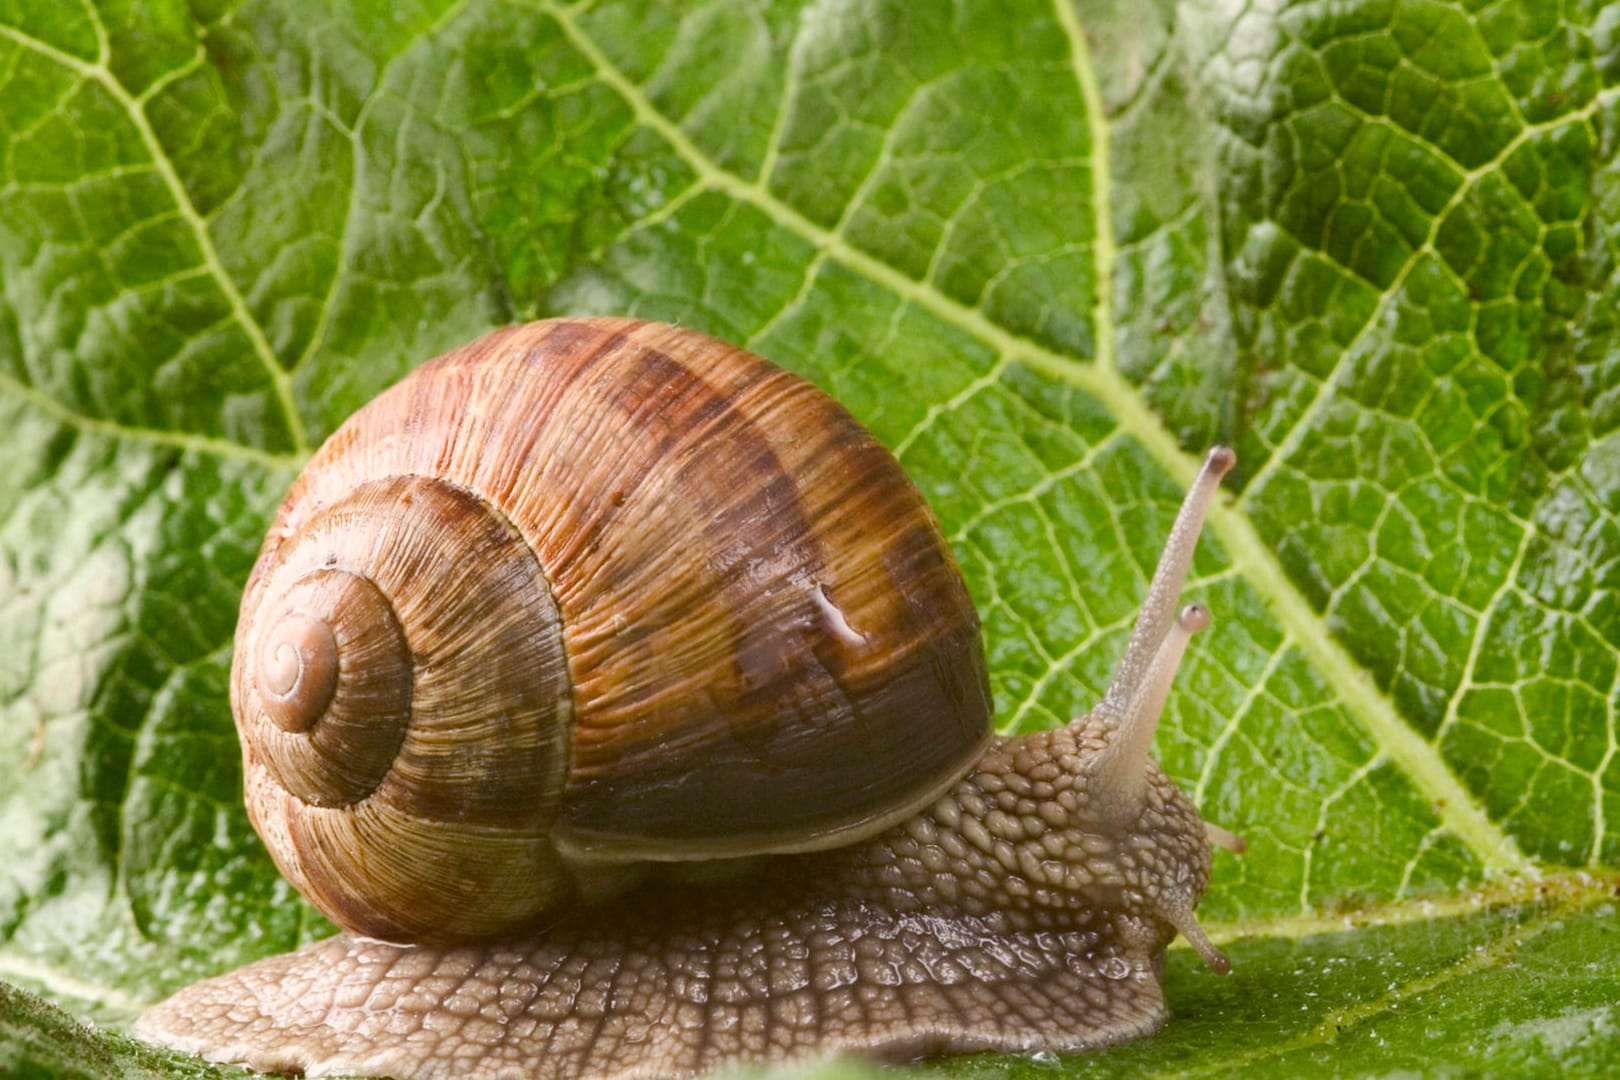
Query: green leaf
point(1048, 254)
point(39, 1040)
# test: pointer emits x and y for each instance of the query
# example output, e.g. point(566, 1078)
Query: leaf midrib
point(1259, 566)
point(1419, 760)
point(1104, 249)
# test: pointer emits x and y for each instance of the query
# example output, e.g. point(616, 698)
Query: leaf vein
point(1111, 390)
point(201, 444)
point(355, 135)
point(1224, 736)
point(1337, 1021)
point(1327, 389)
point(1103, 244)
point(280, 380)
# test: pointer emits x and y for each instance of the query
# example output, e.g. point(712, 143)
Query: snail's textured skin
point(724, 638)
point(1002, 918)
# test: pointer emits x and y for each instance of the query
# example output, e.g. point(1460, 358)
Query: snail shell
point(582, 595)
point(589, 594)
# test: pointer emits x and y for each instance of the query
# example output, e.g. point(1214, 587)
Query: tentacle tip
point(1220, 460)
point(1222, 838)
point(1194, 617)
point(1213, 958)
point(1180, 915)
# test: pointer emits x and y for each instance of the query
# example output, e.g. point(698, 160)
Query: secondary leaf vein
point(280, 380)
point(201, 444)
point(1259, 565)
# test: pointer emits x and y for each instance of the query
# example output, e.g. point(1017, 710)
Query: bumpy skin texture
point(1027, 907)
point(1013, 914)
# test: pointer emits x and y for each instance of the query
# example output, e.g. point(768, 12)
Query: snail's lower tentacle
point(1177, 909)
point(1222, 838)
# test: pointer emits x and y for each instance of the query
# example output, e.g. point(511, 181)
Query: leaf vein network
point(99, 73)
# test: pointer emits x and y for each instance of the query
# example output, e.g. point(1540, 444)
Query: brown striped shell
point(584, 594)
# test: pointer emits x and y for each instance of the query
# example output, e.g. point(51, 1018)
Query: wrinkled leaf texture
point(1049, 254)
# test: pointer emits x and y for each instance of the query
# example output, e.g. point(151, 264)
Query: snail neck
point(1024, 839)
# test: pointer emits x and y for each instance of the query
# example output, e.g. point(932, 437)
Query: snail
point(619, 696)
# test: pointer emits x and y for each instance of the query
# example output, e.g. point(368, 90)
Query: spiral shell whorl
point(298, 670)
point(662, 601)
point(405, 709)
point(333, 682)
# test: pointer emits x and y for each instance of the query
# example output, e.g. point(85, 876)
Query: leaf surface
point(1047, 253)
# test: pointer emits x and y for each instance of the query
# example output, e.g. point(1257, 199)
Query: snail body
point(589, 599)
